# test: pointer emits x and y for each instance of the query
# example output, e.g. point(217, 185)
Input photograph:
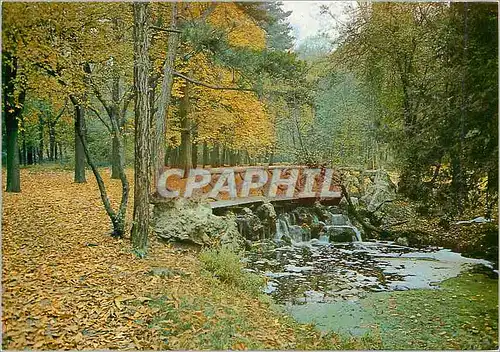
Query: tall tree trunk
point(29, 155)
point(205, 154)
point(117, 218)
point(194, 154)
point(174, 157)
point(215, 156)
point(12, 112)
point(238, 158)
point(165, 95)
point(223, 155)
point(116, 153)
point(115, 159)
point(186, 161)
point(23, 139)
point(140, 227)
point(13, 175)
point(61, 154)
point(40, 139)
point(52, 140)
point(79, 150)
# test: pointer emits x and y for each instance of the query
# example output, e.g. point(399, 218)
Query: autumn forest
point(100, 99)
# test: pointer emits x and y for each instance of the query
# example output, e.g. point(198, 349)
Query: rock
point(339, 219)
point(321, 212)
point(340, 233)
point(478, 220)
point(402, 241)
point(296, 233)
point(249, 225)
point(382, 190)
point(267, 216)
point(182, 220)
point(303, 215)
point(316, 229)
point(344, 204)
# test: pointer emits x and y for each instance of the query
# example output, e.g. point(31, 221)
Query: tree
point(165, 94)
point(278, 30)
point(430, 70)
point(12, 108)
point(140, 226)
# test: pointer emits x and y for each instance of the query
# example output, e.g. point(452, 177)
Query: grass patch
point(461, 315)
point(201, 323)
point(226, 265)
point(217, 309)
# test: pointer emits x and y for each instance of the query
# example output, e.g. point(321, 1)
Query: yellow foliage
point(242, 30)
point(234, 118)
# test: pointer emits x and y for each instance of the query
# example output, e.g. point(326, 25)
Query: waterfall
point(358, 234)
point(281, 228)
point(315, 219)
point(341, 221)
point(301, 225)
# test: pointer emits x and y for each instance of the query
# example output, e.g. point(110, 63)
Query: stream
point(322, 279)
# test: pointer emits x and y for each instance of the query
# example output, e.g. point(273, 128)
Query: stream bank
point(322, 268)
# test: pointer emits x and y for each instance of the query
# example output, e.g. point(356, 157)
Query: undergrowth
point(226, 265)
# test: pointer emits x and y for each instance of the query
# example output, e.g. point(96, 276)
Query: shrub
point(226, 265)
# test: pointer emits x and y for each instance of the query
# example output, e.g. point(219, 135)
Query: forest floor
point(67, 284)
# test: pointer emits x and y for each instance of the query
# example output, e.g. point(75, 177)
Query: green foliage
point(430, 70)
point(278, 30)
point(226, 265)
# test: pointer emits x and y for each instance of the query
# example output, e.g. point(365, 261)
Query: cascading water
point(342, 223)
point(281, 228)
point(299, 226)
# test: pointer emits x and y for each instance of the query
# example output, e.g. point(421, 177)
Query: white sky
point(306, 19)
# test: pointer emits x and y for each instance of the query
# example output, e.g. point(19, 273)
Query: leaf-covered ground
point(68, 285)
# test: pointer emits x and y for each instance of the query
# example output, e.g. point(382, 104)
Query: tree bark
point(165, 94)
point(40, 139)
point(140, 227)
point(12, 112)
point(29, 155)
point(52, 141)
point(186, 161)
point(115, 159)
point(215, 156)
point(79, 150)
point(23, 149)
point(116, 153)
point(205, 154)
point(61, 154)
point(194, 154)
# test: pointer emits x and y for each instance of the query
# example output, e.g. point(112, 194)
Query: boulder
point(402, 241)
point(182, 220)
point(380, 191)
point(344, 205)
point(340, 233)
point(267, 216)
point(249, 225)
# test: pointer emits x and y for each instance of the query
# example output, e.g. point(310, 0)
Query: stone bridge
point(278, 184)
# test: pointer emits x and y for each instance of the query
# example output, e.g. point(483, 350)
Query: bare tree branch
point(210, 86)
point(165, 29)
point(96, 112)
